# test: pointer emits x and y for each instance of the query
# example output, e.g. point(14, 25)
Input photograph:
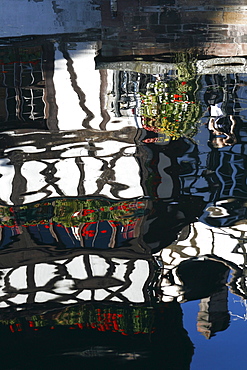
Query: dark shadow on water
point(71, 347)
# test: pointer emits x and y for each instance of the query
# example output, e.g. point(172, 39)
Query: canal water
point(123, 185)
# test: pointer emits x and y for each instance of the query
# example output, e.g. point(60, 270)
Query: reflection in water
point(122, 184)
point(94, 335)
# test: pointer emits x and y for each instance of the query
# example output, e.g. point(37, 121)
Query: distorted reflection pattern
point(122, 181)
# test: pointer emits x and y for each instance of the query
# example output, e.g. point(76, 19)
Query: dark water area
point(123, 184)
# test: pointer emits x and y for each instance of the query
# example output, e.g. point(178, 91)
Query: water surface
point(122, 186)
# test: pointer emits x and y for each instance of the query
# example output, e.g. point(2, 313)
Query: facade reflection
point(116, 207)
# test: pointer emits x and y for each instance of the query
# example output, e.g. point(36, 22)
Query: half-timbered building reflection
point(36, 74)
point(43, 165)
